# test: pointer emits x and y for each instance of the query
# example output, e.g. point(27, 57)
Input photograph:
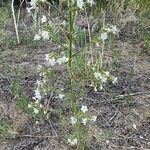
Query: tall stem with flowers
point(70, 51)
point(80, 119)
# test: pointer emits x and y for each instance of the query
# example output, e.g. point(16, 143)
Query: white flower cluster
point(61, 96)
point(73, 120)
point(42, 35)
point(103, 78)
point(114, 80)
point(80, 3)
point(52, 61)
point(33, 4)
point(37, 92)
point(73, 142)
point(43, 19)
point(104, 36)
point(40, 91)
point(84, 119)
point(112, 29)
point(84, 109)
point(36, 106)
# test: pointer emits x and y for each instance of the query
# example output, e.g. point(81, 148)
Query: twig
point(56, 135)
point(35, 136)
point(132, 94)
point(120, 96)
point(19, 12)
point(125, 147)
point(123, 138)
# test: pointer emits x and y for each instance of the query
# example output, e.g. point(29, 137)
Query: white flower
point(44, 111)
point(95, 89)
point(47, 57)
point(29, 9)
point(33, 3)
point(91, 2)
point(84, 121)
point(104, 36)
point(106, 73)
point(101, 87)
point(39, 67)
point(141, 137)
point(29, 106)
point(103, 79)
point(98, 75)
point(61, 96)
point(36, 111)
point(88, 63)
point(45, 35)
point(40, 105)
point(73, 142)
point(80, 3)
point(42, 74)
point(114, 80)
point(43, 20)
point(73, 120)
point(114, 29)
point(62, 60)
point(134, 126)
point(38, 83)
point(63, 23)
point(52, 61)
point(108, 29)
point(94, 118)
point(37, 95)
point(84, 109)
point(37, 37)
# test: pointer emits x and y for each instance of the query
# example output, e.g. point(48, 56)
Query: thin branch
point(132, 94)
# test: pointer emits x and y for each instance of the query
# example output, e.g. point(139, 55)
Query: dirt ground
point(123, 109)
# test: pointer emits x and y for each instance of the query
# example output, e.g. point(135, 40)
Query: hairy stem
point(71, 29)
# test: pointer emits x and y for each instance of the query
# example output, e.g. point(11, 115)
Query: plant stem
point(15, 23)
point(71, 20)
point(101, 55)
point(103, 44)
point(70, 37)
